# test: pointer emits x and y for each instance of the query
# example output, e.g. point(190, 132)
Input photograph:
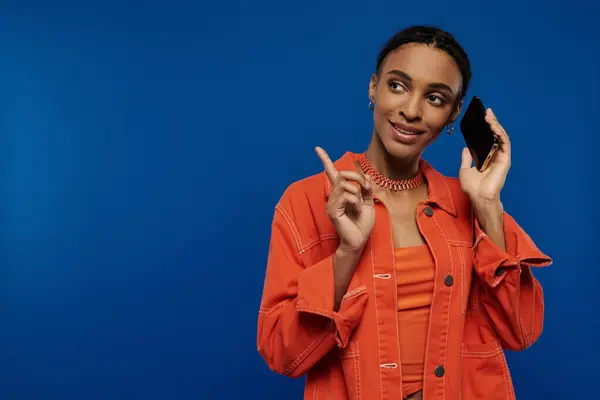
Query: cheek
point(388, 107)
point(434, 135)
point(437, 118)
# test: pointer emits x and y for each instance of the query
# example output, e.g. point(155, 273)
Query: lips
point(405, 129)
point(405, 134)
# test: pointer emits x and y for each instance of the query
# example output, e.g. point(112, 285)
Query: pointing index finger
point(330, 170)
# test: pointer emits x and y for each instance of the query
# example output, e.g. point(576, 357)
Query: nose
point(411, 109)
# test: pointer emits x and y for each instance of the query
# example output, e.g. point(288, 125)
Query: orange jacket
point(485, 300)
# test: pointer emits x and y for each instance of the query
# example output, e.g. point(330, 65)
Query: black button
point(428, 211)
point(499, 271)
point(449, 280)
point(439, 371)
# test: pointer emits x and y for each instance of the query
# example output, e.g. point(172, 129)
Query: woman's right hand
point(350, 208)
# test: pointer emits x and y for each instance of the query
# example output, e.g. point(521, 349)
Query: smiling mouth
point(405, 131)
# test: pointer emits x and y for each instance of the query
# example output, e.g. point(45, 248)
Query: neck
point(389, 166)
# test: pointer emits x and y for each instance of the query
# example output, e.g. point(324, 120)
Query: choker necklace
point(385, 182)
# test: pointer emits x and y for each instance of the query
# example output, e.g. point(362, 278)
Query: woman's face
point(415, 96)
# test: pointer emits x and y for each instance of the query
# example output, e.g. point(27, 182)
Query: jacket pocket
point(350, 360)
point(484, 373)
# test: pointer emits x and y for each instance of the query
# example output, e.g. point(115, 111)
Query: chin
point(404, 151)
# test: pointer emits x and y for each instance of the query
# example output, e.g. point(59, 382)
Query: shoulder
point(446, 188)
point(446, 193)
point(302, 207)
point(455, 190)
point(299, 195)
point(309, 193)
point(303, 203)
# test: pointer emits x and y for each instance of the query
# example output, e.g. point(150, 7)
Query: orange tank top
point(415, 272)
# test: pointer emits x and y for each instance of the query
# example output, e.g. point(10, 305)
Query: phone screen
point(477, 133)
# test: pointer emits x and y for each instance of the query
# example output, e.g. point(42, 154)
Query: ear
point(456, 112)
point(373, 87)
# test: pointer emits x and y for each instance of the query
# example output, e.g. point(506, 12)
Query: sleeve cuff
point(316, 295)
point(493, 264)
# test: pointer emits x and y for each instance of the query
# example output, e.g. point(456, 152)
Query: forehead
point(425, 64)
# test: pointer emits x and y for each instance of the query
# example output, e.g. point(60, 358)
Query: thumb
point(467, 159)
point(367, 191)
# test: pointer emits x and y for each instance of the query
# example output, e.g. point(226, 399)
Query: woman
point(387, 280)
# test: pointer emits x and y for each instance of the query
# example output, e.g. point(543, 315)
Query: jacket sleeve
point(511, 297)
point(297, 324)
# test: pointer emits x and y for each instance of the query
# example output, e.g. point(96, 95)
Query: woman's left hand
point(484, 187)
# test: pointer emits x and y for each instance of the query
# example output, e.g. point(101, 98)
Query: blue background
point(145, 144)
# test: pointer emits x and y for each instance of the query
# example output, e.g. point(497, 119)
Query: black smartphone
point(479, 137)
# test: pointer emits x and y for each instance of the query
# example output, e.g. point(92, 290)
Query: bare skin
point(416, 90)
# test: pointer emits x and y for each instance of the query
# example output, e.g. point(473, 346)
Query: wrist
point(490, 216)
point(487, 204)
point(346, 254)
point(488, 210)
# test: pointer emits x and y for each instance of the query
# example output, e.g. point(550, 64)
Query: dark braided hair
point(433, 36)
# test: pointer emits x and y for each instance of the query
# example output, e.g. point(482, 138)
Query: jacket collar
point(438, 191)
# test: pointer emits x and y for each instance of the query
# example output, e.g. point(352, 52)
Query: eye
point(436, 100)
point(396, 86)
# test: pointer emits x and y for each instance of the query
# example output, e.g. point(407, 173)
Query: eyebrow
point(434, 85)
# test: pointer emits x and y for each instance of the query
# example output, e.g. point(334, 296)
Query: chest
point(402, 210)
